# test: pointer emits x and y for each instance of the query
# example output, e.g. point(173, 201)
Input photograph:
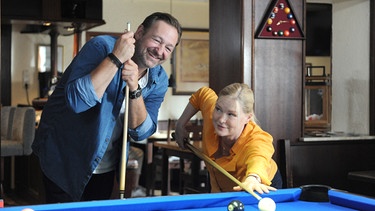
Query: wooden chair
point(157, 159)
point(195, 132)
point(186, 183)
point(285, 163)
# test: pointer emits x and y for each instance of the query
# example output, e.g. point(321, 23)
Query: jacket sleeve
point(79, 90)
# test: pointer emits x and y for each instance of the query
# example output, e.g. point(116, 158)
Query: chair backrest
point(285, 165)
point(170, 129)
point(7, 113)
point(195, 131)
point(25, 118)
point(20, 126)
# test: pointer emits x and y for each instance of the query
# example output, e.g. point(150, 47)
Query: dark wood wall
point(5, 72)
point(272, 67)
point(226, 60)
point(372, 68)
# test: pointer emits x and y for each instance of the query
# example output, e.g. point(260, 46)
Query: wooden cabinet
point(317, 101)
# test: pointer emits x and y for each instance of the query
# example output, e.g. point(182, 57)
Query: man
point(78, 141)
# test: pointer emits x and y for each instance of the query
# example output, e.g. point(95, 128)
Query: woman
point(232, 138)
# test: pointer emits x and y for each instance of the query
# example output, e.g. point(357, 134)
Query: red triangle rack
point(280, 22)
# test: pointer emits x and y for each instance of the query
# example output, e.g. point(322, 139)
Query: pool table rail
point(284, 198)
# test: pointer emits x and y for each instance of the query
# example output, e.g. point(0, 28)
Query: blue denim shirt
point(76, 126)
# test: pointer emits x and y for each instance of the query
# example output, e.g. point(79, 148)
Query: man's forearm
point(137, 112)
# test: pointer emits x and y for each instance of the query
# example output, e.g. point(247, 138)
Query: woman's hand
point(181, 135)
point(255, 185)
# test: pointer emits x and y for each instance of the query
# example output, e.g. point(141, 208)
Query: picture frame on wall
point(190, 62)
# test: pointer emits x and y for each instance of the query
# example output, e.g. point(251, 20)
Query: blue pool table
point(286, 199)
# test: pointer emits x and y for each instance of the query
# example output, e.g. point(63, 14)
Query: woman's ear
point(250, 117)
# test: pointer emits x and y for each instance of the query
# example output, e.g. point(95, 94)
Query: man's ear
point(139, 33)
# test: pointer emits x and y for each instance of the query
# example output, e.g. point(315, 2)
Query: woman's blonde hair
point(243, 94)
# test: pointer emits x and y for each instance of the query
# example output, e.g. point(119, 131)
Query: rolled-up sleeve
point(81, 94)
point(79, 90)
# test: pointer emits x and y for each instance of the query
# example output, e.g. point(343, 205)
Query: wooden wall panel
point(6, 52)
point(372, 67)
point(225, 43)
point(278, 79)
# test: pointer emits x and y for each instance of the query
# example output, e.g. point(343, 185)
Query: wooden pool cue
point(125, 140)
point(204, 157)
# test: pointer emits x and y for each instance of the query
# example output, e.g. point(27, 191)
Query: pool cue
point(124, 141)
point(204, 157)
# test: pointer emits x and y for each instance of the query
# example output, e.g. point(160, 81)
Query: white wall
point(116, 13)
point(350, 66)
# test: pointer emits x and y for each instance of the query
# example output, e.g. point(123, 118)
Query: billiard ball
point(287, 10)
point(266, 204)
point(235, 205)
point(286, 33)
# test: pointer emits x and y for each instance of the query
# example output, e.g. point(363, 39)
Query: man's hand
point(124, 47)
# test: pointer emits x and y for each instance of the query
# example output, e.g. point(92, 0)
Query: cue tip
point(122, 194)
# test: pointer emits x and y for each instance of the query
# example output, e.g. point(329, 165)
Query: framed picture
point(44, 58)
point(190, 62)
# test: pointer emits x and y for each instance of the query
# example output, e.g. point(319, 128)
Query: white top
point(108, 162)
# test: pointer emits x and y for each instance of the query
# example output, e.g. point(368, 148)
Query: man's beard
point(140, 58)
point(140, 61)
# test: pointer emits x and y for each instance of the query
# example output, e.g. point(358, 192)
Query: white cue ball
point(266, 204)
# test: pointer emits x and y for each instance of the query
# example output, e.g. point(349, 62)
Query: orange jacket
point(252, 152)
